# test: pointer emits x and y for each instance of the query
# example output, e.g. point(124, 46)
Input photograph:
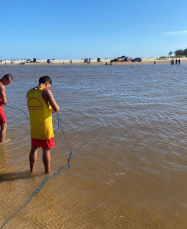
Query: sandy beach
point(150, 60)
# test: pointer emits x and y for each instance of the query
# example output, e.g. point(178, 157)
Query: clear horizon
point(99, 29)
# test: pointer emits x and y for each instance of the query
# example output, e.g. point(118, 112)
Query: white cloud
point(178, 32)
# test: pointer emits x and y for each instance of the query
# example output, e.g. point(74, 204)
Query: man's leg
point(3, 131)
point(33, 157)
point(46, 160)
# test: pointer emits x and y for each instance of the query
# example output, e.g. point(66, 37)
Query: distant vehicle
point(121, 59)
point(136, 59)
point(29, 60)
point(36, 60)
point(33, 61)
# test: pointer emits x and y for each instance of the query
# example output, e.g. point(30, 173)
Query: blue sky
point(76, 29)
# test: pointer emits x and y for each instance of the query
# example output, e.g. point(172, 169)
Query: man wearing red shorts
point(41, 105)
point(5, 80)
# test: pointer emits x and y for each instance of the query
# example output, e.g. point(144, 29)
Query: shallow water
point(127, 128)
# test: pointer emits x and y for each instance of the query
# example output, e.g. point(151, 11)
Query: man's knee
point(46, 150)
point(3, 126)
point(46, 154)
point(34, 150)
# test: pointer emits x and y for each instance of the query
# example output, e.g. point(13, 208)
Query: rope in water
point(29, 119)
point(40, 187)
point(19, 109)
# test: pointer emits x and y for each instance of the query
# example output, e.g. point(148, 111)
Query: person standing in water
point(41, 105)
point(5, 80)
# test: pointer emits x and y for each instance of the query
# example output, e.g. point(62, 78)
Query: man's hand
point(48, 97)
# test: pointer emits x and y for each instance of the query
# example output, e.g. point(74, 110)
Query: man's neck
point(1, 81)
point(41, 86)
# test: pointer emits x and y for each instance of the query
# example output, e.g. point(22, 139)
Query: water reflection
point(15, 176)
point(3, 157)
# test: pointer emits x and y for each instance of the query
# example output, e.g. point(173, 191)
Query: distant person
point(176, 61)
point(172, 62)
point(179, 61)
point(70, 61)
point(5, 80)
point(41, 105)
point(106, 63)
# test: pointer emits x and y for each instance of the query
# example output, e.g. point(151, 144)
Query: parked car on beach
point(136, 59)
point(122, 59)
point(129, 59)
point(119, 59)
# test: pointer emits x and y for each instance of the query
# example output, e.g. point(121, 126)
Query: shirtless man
point(41, 105)
point(5, 80)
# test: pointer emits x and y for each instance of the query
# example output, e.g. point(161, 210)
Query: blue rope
point(18, 109)
point(40, 187)
point(29, 118)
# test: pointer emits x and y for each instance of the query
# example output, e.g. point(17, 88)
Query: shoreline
point(93, 62)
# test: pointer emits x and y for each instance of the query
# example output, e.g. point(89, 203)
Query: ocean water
point(127, 128)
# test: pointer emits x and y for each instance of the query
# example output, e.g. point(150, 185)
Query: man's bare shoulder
point(2, 87)
point(47, 92)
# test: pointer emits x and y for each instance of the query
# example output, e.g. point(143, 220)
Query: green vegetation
point(179, 56)
point(163, 58)
point(181, 52)
point(178, 53)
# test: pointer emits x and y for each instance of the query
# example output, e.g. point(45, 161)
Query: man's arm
point(48, 96)
point(2, 95)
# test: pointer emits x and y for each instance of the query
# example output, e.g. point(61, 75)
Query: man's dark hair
point(8, 77)
point(45, 79)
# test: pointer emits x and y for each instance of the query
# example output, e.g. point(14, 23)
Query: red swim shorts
point(2, 116)
point(45, 144)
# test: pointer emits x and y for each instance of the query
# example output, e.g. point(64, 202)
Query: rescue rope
point(29, 118)
point(40, 187)
point(19, 109)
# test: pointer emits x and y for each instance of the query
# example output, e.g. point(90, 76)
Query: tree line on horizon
point(179, 52)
